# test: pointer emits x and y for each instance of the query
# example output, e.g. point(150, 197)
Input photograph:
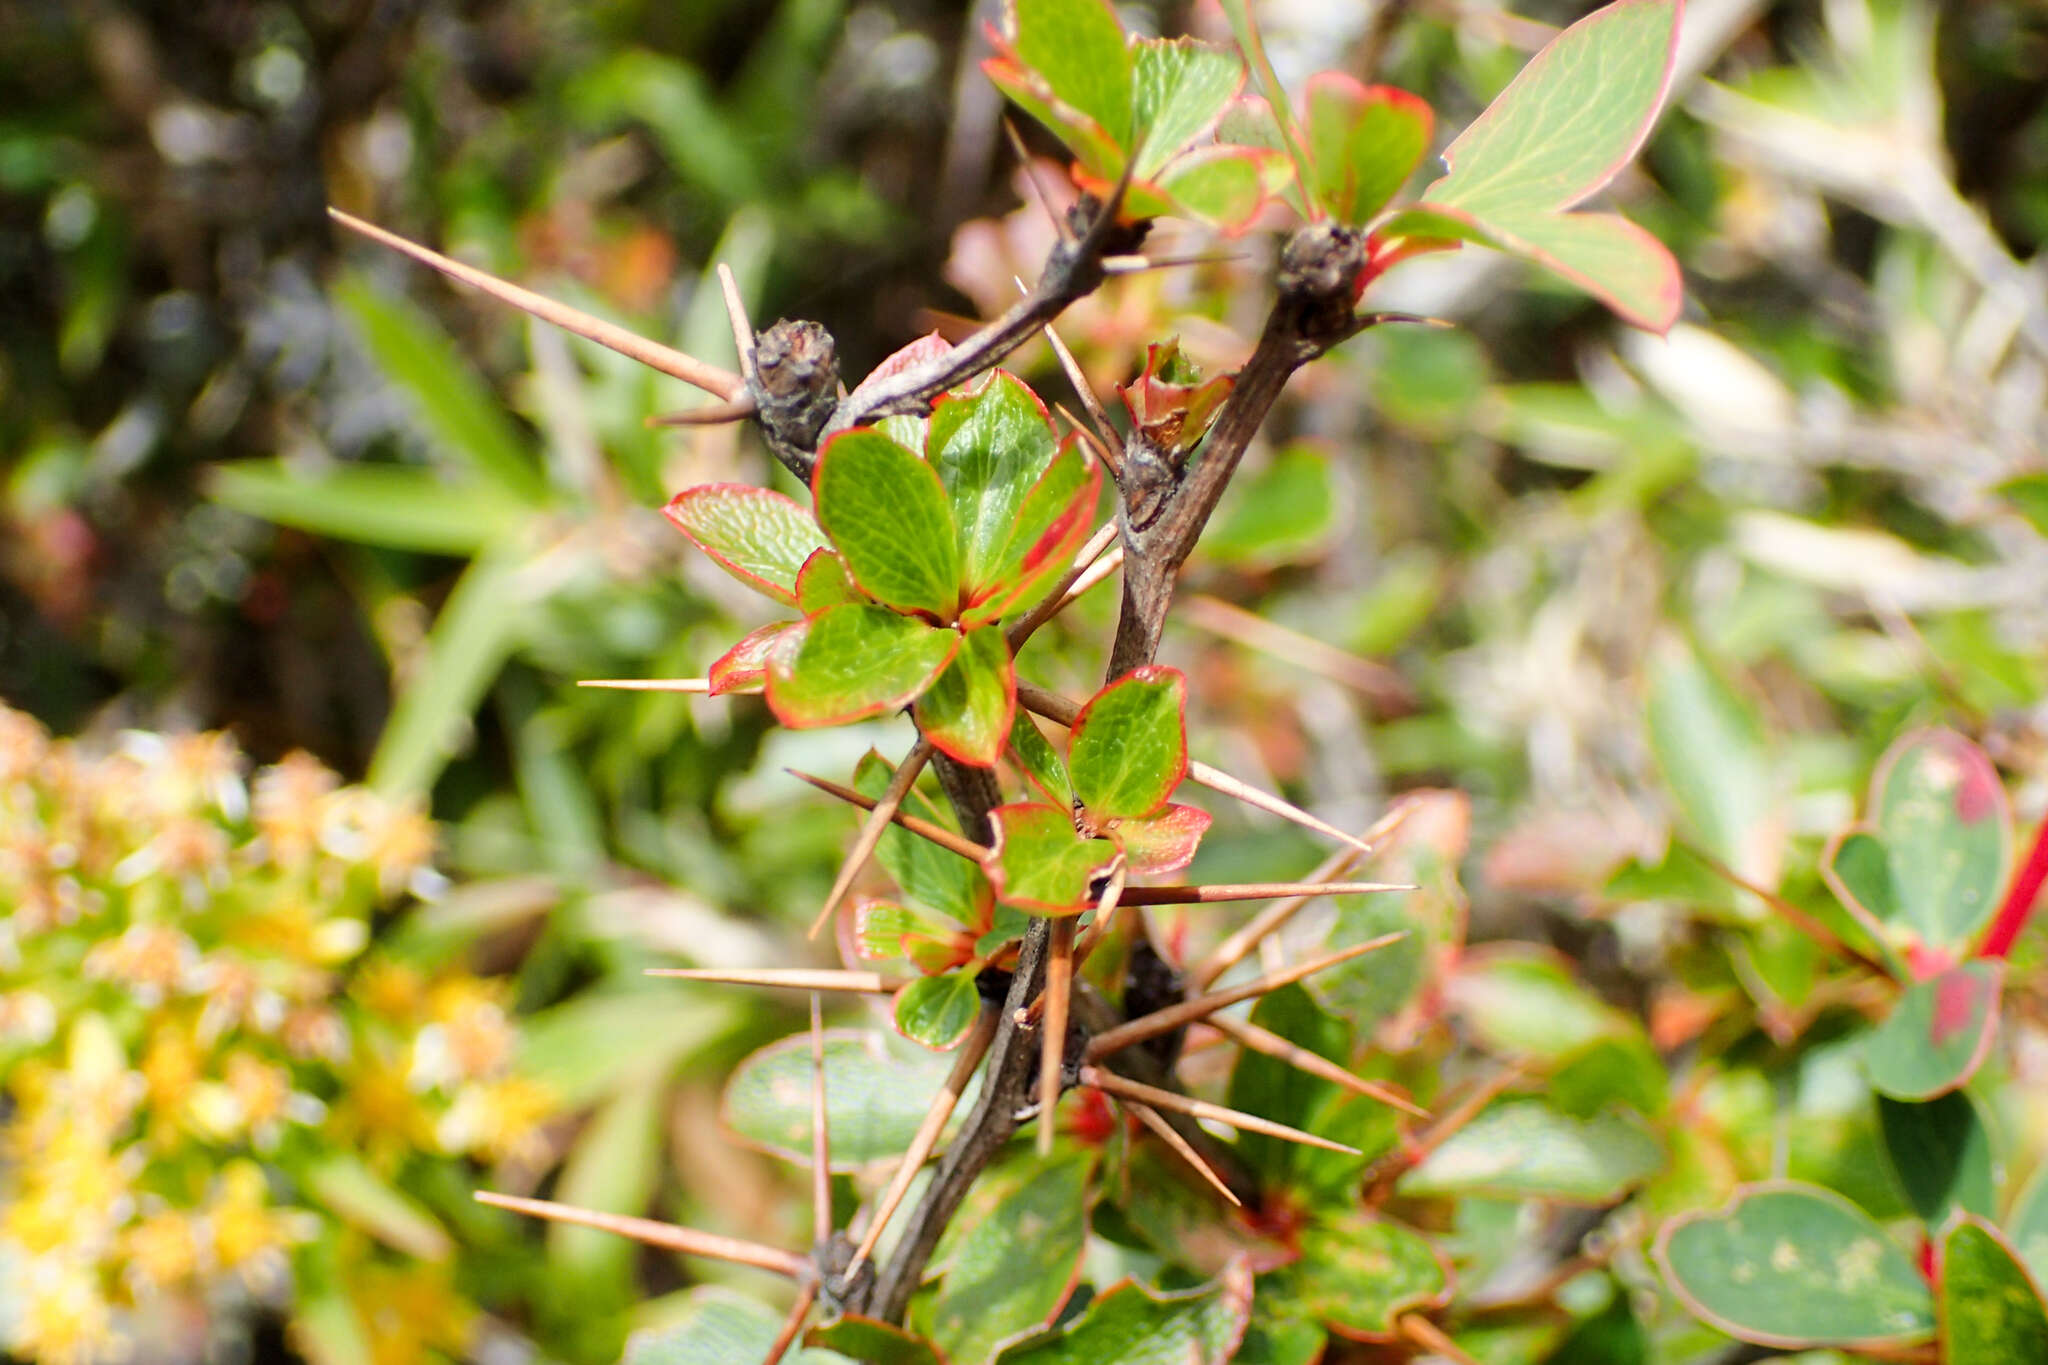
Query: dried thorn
point(1216, 780)
point(1052, 1037)
point(1301, 1059)
point(1268, 921)
point(871, 831)
point(1188, 1011)
point(1087, 570)
point(668, 1235)
point(1166, 1133)
point(1415, 319)
point(792, 1324)
point(710, 378)
point(1379, 684)
point(1090, 404)
point(927, 1137)
point(923, 829)
point(1253, 891)
point(736, 314)
point(821, 1137)
point(710, 415)
point(1025, 160)
point(1134, 265)
point(789, 978)
point(1379, 1181)
point(700, 686)
point(1097, 447)
point(1123, 1088)
point(1431, 1338)
point(1827, 939)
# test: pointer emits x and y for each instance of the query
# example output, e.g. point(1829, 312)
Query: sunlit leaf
point(1364, 142)
point(937, 1011)
point(1129, 747)
point(1131, 1325)
point(1011, 1258)
point(756, 534)
point(850, 662)
point(886, 512)
point(1938, 1033)
point(1040, 862)
point(877, 1088)
point(967, 710)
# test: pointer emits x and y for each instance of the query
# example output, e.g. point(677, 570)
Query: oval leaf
point(1041, 863)
point(1526, 1149)
point(1077, 47)
point(876, 1091)
point(717, 1327)
point(848, 663)
point(1012, 1257)
point(1051, 523)
point(1364, 141)
point(824, 582)
point(935, 878)
point(989, 446)
point(886, 511)
point(1938, 1034)
point(1179, 89)
point(1358, 1273)
point(1941, 1154)
point(1130, 1325)
point(1129, 747)
point(756, 534)
point(937, 1011)
point(967, 711)
point(1991, 1308)
point(744, 667)
point(1795, 1265)
point(1165, 842)
point(1940, 813)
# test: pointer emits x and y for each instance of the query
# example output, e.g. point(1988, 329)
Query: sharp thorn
point(1030, 168)
point(1123, 1088)
point(1052, 1037)
point(792, 1324)
point(1253, 891)
point(710, 415)
point(1133, 265)
point(924, 829)
point(1273, 1045)
point(686, 1240)
point(821, 1137)
point(736, 314)
point(1166, 1133)
point(710, 378)
point(1216, 780)
point(871, 830)
point(701, 686)
point(788, 978)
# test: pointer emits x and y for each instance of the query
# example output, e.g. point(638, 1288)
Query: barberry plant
point(951, 517)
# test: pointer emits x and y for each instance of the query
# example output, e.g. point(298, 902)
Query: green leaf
point(1939, 816)
point(1078, 47)
point(403, 507)
point(848, 663)
point(470, 641)
point(1364, 141)
point(1940, 1152)
point(1359, 1272)
point(1051, 523)
point(1094, 149)
point(2028, 1224)
point(744, 667)
point(877, 1088)
point(937, 1011)
point(1526, 1149)
point(1711, 752)
point(1795, 1265)
point(886, 511)
point(614, 1167)
point(1129, 747)
point(1283, 514)
point(1565, 126)
point(1178, 93)
point(1039, 761)
point(755, 534)
point(352, 1191)
point(719, 1327)
point(465, 419)
point(1130, 1325)
point(989, 446)
point(824, 582)
point(1991, 1308)
point(967, 711)
point(571, 1049)
point(1624, 1069)
point(1521, 1001)
point(2028, 495)
point(1938, 1033)
point(1012, 1257)
point(1041, 863)
point(872, 1342)
point(930, 875)
point(1222, 186)
point(1165, 842)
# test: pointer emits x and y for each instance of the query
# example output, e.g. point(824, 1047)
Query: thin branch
point(1109, 1083)
point(1052, 1034)
point(1268, 921)
point(789, 978)
point(1172, 1017)
point(1169, 1135)
point(924, 829)
point(871, 830)
point(1315, 1064)
point(794, 1323)
point(927, 1136)
point(712, 379)
point(667, 1235)
point(1253, 891)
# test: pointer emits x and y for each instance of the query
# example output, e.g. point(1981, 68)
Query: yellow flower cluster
point(195, 1028)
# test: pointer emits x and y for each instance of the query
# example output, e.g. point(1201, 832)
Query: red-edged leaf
point(1364, 140)
point(1078, 48)
point(744, 667)
point(756, 534)
point(1041, 863)
point(886, 512)
point(848, 663)
point(991, 445)
point(1224, 187)
point(922, 351)
point(824, 582)
point(1040, 763)
point(1129, 747)
point(1164, 843)
point(1052, 523)
point(937, 1011)
point(967, 711)
point(1095, 150)
point(1938, 1033)
point(1179, 90)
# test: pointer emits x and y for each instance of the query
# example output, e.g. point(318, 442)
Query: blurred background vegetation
point(263, 480)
